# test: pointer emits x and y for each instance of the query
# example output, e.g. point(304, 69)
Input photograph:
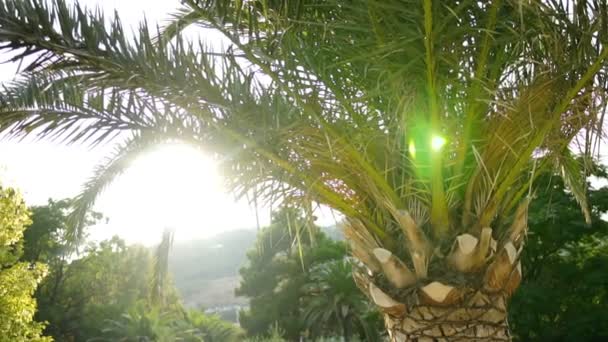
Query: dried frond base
point(461, 297)
point(443, 313)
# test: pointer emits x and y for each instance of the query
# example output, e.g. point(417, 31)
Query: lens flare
point(437, 142)
point(412, 149)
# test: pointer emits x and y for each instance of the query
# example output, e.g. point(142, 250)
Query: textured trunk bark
point(429, 295)
point(484, 318)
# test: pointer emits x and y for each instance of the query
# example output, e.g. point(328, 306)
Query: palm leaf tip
point(575, 179)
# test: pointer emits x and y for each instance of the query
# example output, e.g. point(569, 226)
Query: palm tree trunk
point(346, 330)
point(484, 321)
point(461, 296)
point(431, 311)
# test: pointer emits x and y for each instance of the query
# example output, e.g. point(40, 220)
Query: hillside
point(206, 271)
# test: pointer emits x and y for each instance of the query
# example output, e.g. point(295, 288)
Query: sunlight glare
point(175, 186)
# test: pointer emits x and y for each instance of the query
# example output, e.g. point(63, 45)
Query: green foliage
point(79, 293)
point(214, 329)
point(295, 286)
point(47, 239)
point(334, 96)
point(334, 306)
point(139, 324)
point(276, 271)
point(109, 279)
point(151, 323)
point(18, 280)
point(17, 307)
point(275, 334)
point(333, 101)
point(44, 239)
point(143, 323)
point(564, 296)
point(110, 291)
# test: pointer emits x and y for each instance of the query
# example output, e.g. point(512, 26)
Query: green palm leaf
point(341, 103)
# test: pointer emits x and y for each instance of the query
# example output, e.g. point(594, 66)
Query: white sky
point(173, 187)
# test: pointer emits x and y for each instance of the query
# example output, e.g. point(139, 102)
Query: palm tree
point(214, 329)
point(144, 323)
point(160, 279)
point(140, 324)
point(422, 122)
point(332, 301)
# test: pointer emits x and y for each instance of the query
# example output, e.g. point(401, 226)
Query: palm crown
point(418, 120)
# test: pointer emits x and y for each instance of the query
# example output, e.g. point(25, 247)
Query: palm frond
point(331, 101)
point(575, 180)
point(62, 107)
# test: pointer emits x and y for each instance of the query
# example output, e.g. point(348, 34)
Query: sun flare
point(174, 186)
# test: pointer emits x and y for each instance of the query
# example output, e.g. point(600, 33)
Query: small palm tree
point(422, 122)
point(332, 301)
point(145, 323)
point(140, 324)
point(214, 329)
point(160, 278)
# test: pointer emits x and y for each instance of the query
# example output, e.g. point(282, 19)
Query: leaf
point(574, 179)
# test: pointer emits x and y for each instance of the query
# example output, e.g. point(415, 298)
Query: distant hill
point(206, 272)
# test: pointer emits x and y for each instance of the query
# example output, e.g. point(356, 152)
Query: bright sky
point(175, 186)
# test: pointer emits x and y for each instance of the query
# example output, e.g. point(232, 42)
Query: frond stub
point(483, 248)
point(415, 237)
point(420, 265)
point(461, 257)
point(419, 246)
point(361, 243)
point(394, 269)
point(364, 258)
point(437, 293)
point(385, 302)
point(469, 253)
point(518, 228)
point(499, 272)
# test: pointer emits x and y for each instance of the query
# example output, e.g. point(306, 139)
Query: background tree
point(415, 119)
point(44, 239)
point(333, 305)
point(109, 290)
point(47, 240)
point(293, 286)
point(276, 271)
point(563, 262)
point(18, 280)
point(105, 282)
